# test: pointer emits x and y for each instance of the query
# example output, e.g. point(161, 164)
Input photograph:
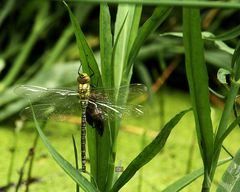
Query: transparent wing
point(49, 103)
point(50, 112)
point(58, 104)
point(122, 102)
point(129, 92)
point(45, 95)
point(112, 111)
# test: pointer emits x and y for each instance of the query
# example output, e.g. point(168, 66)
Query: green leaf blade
point(198, 83)
point(126, 27)
point(159, 15)
point(88, 61)
point(64, 164)
point(148, 152)
point(106, 46)
point(189, 178)
point(231, 178)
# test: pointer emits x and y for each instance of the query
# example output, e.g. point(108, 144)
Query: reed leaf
point(186, 3)
point(230, 180)
point(159, 15)
point(64, 164)
point(198, 84)
point(189, 178)
point(88, 62)
point(148, 153)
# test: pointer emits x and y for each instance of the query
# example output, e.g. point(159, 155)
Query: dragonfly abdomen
point(95, 117)
point(84, 94)
point(83, 134)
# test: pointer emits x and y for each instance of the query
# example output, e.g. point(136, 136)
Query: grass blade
point(159, 15)
point(236, 64)
point(198, 84)
point(231, 179)
point(189, 178)
point(88, 61)
point(106, 46)
point(223, 126)
point(124, 34)
point(231, 34)
point(228, 131)
point(223, 129)
point(64, 164)
point(148, 153)
point(182, 3)
point(76, 159)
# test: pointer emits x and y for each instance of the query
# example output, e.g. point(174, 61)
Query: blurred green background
point(37, 47)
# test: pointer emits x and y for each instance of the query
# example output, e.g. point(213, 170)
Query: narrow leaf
point(228, 130)
point(76, 159)
point(231, 34)
point(231, 178)
point(106, 46)
point(88, 61)
point(182, 3)
point(64, 164)
point(189, 178)
point(149, 152)
point(208, 36)
point(198, 82)
point(223, 129)
point(223, 125)
point(159, 15)
point(123, 35)
point(236, 63)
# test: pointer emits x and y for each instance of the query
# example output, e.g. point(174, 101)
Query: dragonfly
point(94, 105)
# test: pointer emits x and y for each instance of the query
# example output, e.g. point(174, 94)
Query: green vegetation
point(133, 43)
point(169, 165)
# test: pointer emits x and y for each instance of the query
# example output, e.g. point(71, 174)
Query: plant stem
point(12, 160)
point(206, 182)
point(223, 126)
point(198, 4)
point(32, 155)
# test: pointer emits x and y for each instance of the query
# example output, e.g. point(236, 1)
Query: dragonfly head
point(83, 78)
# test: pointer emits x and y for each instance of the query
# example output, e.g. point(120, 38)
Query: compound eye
point(83, 78)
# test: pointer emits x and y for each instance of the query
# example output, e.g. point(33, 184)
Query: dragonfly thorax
point(84, 86)
point(84, 91)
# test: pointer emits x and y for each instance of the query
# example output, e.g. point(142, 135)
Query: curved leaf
point(231, 178)
point(149, 152)
point(231, 34)
point(158, 17)
point(64, 164)
point(198, 83)
point(182, 3)
point(88, 61)
point(189, 178)
point(228, 130)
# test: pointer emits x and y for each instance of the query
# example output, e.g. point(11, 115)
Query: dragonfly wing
point(126, 92)
point(52, 103)
point(51, 112)
point(119, 111)
point(119, 102)
point(44, 95)
point(49, 103)
point(134, 91)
